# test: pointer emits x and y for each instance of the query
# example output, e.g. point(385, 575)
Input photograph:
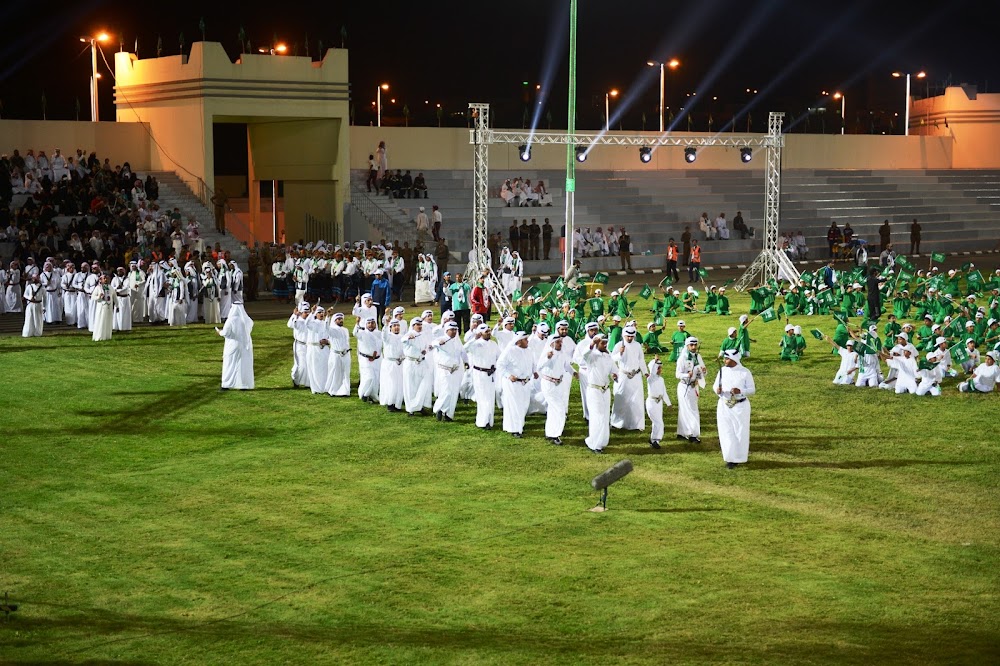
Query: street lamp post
point(378, 93)
point(906, 120)
point(103, 37)
point(843, 119)
point(607, 108)
point(673, 63)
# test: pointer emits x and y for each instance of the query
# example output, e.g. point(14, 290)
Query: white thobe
point(177, 302)
point(136, 282)
point(449, 363)
point(338, 375)
point(300, 370)
point(734, 421)
point(483, 356)
point(848, 367)
point(123, 308)
point(13, 291)
point(390, 386)
point(82, 304)
point(690, 374)
point(49, 282)
point(226, 294)
point(985, 377)
point(417, 372)
point(369, 361)
point(930, 380)
point(627, 413)
point(104, 299)
point(210, 291)
point(516, 362)
point(33, 315)
point(600, 367)
point(555, 375)
point(152, 289)
point(68, 299)
point(581, 364)
point(237, 355)
point(656, 399)
point(90, 284)
point(317, 358)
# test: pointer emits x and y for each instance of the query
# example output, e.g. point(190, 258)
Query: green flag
point(904, 263)
point(729, 282)
point(818, 334)
point(806, 277)
point(534, 292)
point(862, 348)
point(781, 310)
point(903, 277)
point(959, 354)
point(703, 273)
point(601, 278)
point(658, 320)
point(924, 364)
point(645, 293)
point(768, 315)
point(516, 295)
point(966, 266)
point(937, 256)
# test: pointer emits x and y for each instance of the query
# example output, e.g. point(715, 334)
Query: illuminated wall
point(969, 119)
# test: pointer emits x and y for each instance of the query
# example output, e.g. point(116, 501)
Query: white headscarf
point(240, 325)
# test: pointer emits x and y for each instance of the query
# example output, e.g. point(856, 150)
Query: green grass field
point(146, 517)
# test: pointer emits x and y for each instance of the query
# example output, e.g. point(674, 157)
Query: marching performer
point(690, 373)
point(555, 374)
point(369, 359)
point(600, 375)
point(627, 412)
point(656, 400)
point(338, 372)
point(734, 385)
point(483, 353)
point(417, 373)
point(390, 384)
point(516, 366)
point(449, 361)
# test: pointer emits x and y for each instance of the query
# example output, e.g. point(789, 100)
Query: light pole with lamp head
point(906, 120)
point(103, 37)
point(673, 63)
point(378, 102)
point(607, 108)
point(843, 100)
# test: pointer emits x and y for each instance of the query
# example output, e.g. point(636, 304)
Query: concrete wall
point(967, 118)
point(119, 143)
point(449, 148)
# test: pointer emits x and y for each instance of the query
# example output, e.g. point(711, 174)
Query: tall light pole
point(378, 94)
point(673, 63)
point(906, 120)
point(607, 108)
point(103, 37)
point(570, 148)
point(843, 119)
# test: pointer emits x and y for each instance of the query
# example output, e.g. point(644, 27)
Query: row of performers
point(424, 368)
point(161, 293)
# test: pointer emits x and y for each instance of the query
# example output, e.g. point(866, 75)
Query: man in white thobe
point(930, 378)
point(33, 306)
point(123, 308)
point(690, 373)
point(734, 385)
point(516, 367)
point(450, 360)
point(104, 299)
point(136, 282)
point(369, 359)
point(90, 282)
point(297, 322)
point(237, 355)
point(82, 297)
point(417, 371)
point(390, 386)
point(600, 376)
point(69, 295)
point(628, 411)
point(656, 400)
point(317, 349)
point(483, 353)
point(50, 282)
point(555, 375)
point(578, 358)
point(984, 377)
point(338, 376)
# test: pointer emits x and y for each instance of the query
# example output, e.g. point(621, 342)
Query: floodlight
point(581, 153)
point(690, 154)
point(645, 154)
point(524, 152)
point(746, 154)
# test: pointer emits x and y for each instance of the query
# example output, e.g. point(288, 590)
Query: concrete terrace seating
point(957, 209)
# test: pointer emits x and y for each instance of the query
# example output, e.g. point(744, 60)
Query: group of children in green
point(961, 306)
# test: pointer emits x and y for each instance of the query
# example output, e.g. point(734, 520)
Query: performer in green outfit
point(711, 300)
point(787, 345)
point(652, 340)
point(723, 303)
point(677, 340)
point(731, 341)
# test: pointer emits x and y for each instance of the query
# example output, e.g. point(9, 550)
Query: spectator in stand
point(721, 228)
point(884, 235)
point(544, 198)
point(436, 220)
point(442, 254)
point(686, 244)
point(513, 235)
point(423, 225)
point(406, 188)
point(381, 160)
point(493, 245)
point(625, 250)
point(694, 264)
point(523, 238)
point(219, 201)
point(419, 186)
point(672, 251)
point(800, 245)
point(372, 174)
point(534, 234)
point(706, 226)
point(740, 226)
point(833, 237)
point(529, 193)
point(507, 193)
point(547, 231)
point(914, 238)
point(848, 233)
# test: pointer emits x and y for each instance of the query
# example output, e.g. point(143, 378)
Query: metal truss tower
point(771, 263)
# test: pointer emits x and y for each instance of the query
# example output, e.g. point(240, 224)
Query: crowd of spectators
point(517, 192)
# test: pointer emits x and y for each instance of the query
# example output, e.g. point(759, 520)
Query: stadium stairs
point(957, 209)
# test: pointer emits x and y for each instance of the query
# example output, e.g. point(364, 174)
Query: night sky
point(449, 52)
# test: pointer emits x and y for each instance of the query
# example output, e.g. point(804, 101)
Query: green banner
point(601, 278)
point(937, 256)
point(768, 315)
point(818, 334)
point(903, 262)
point(645, 293)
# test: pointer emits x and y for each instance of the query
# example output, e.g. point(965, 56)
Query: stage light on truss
point(581, 153)
point(690, 154)
point(645, 154)
point(524, 152)
point(746, 154)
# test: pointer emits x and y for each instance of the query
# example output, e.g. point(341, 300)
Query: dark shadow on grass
point(850, 464)
point(27, 348)
point(693, 509)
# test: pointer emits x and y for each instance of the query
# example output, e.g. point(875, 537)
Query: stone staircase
point(175, 192)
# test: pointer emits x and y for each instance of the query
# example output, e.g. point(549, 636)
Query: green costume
point(677, 340)
point(711, 302)
point(729, 343)
point(652, 342)
point(743, 335)
point(614, 336)
point(723, 307)
point(788, 348)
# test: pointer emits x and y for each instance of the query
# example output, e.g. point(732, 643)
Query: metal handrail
point(378, 217)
